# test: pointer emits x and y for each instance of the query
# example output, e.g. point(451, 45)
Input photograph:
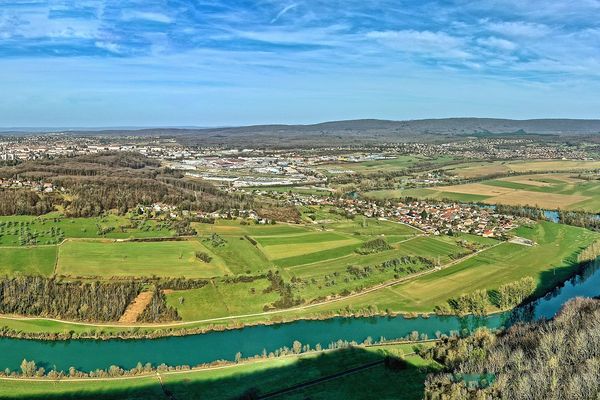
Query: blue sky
point(216, 63)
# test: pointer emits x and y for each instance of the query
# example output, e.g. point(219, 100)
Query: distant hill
point(362, 131)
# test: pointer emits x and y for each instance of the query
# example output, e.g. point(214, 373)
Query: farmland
point(320, 261)
point(106, 259)
point(482, 169)
point(550, 191)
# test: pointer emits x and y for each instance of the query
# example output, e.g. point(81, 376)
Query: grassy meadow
point(106, 259)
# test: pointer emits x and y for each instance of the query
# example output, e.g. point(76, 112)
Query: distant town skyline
point(208, 63)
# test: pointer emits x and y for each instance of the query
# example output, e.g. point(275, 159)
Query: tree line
point(73, 300)
point(477, 302)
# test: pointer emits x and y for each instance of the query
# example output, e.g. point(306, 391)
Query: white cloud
point(109, 46)
point(438, 44)
point(498, 43)
point(146, 16)
point(283, 11)
point(518, 28)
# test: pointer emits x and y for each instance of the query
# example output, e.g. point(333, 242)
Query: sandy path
point(136, 307)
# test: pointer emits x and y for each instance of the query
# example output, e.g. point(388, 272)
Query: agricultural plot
point(222, 299)
point(549, 262)
point(482, 169)
point(286, 250)
point(28, 260)
point(550, 191)
point(233, 227)
point(106, 259)
point(400, 162)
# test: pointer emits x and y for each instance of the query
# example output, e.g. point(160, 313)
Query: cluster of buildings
point(46, 187)
point(431, 217)
point(495, 148)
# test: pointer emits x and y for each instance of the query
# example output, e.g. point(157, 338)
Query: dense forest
point(74, 300)
point(97, 301)
point(110, 181)
point(158, 310)
point(556, 359)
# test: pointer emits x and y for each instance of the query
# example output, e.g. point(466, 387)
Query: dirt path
point(136, 307)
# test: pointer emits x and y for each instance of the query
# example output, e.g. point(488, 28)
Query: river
point(86, 355)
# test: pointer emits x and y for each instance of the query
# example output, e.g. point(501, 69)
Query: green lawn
point(233, 227)
point(241, 256)
point(106, 259)
point(27, 260)
point(318, 256)
point(432, 248)
point(283, 251)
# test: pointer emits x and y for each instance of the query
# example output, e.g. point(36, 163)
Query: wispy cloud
point(283, 12)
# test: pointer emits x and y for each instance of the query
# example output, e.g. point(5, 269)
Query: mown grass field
point(550, 191)
point(106, 259)
point(263, 376)
point(393, 164)
point(28, 260)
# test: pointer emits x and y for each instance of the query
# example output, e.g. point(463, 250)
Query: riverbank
point(310, 372)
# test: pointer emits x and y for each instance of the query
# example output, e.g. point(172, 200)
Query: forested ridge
point(556, 359)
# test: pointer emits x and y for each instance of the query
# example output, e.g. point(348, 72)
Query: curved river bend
point(86, 355)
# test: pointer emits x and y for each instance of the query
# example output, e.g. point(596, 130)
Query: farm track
point(266, 313)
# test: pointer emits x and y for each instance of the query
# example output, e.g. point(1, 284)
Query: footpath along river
point(86, 355)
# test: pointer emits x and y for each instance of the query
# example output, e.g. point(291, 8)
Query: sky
point(89, 63)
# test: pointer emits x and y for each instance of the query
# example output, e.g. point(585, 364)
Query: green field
point(221, 299)
point(28, 260)
point(317, 261)
point(106, 259)
point(549, 262)
point(263, 376)
point(53, 228)
point(392, 164)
